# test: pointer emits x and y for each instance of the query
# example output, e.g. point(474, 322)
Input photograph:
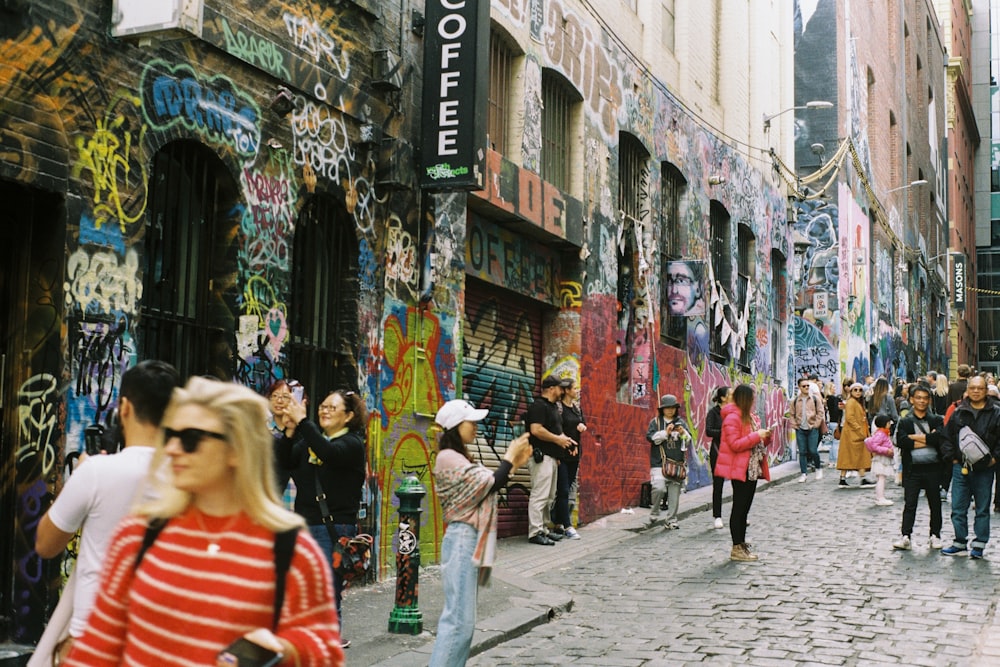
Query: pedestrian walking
point(852, 454)
point(742, 460)
point(549, 446)
point(574, 425)
point(196, 569)
point(807, 415)
point(669, 439)
point(835, 415)
point(976, 417)
point(879, 444)
point(919, 436)
point(467, 491)
point(713, 429)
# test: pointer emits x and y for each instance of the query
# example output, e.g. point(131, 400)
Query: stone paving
point(828, 590)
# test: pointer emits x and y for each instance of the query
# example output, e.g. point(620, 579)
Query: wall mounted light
point(715, 179)
point(814, 104)
point(283, 102)
point(911, 184)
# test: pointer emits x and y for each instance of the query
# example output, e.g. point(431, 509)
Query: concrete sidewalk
point(514, 603)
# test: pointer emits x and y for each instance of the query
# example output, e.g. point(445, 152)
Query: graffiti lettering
point(309, 37)
point(174, 94)
point(101, 354)
point(256, 51)
point(98, 284)
point(38, 416)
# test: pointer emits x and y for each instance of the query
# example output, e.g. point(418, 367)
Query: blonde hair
point(243, 414)
point(941, 385)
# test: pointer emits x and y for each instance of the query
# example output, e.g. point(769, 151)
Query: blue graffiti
point(212, 107)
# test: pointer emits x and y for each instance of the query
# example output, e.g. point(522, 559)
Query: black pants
point(743, 493)
point(717, 482)
point(944, 481)
point(915, 479)
point(566, 476)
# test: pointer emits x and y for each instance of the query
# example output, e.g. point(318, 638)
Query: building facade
point(871, 191)
point(246, 191)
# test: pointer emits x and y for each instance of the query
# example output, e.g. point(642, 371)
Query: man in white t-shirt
point(102, 490)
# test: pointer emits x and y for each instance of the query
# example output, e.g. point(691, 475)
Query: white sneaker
point(718, 522)
point(883, 502)
point(819, 474)
point(571, 534)
point(935, 542)
point(803, 478)
point(903, 543)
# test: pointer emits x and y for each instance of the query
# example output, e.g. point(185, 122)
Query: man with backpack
point(972, 445)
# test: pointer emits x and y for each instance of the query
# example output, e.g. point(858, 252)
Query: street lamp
point(814, 104)
point(911, 184)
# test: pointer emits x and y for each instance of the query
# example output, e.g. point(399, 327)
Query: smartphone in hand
point(245, 653)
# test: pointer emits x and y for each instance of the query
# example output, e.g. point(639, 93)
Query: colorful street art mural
point(90, 117)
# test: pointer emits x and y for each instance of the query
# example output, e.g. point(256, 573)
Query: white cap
point(455, 412)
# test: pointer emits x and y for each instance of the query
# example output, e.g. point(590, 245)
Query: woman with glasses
point(279, 396)
point(206, 576)
point(327, 462)
point(853, 455)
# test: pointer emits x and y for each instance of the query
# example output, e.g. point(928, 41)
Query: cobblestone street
point(829, 589)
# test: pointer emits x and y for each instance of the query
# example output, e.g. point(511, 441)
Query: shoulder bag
point(923, 455)
point(351, 555)
point(674, 470)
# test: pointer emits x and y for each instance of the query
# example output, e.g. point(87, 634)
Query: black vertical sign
point(456, 79)
point(958, 278)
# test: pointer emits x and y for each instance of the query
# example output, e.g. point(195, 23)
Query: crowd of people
point(253, 495)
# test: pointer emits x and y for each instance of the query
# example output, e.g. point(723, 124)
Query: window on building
point(186, 311)
point(669, 25)
point(633, 201)
point(673, 186)
point(501, 68)
point(779, 311)
point(323, 304)
point(746, 266)
point(721, 247)
point(558, 102)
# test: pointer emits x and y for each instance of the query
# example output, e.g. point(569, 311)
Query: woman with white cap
point(853, 454)
point(467, 493)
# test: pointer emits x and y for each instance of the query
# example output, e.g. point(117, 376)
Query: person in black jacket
point(919, 437)
point(327, 460)
point(713, 429)
point(574, 425)
point(972, 481)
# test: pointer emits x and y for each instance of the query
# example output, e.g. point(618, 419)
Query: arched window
point(187, 314)
point(323, 304)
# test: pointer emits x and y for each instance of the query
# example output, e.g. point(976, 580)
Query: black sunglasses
point(190, 437)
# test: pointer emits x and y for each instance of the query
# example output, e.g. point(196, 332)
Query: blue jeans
point(459, 580)
point(808, 441)
point(977, 485)
point(322, 537)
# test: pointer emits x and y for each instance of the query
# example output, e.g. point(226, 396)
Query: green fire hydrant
point(405, 618)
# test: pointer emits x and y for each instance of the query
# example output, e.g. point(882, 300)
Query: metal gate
point(501, 370)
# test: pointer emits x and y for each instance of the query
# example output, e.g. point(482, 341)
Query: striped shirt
point(186, 602)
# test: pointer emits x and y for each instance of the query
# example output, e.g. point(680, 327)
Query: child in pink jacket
point(879, 444)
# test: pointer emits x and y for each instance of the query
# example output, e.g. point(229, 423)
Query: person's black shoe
point(867, 482)
point(555, 537)
point(540, 538)
point(345, 643)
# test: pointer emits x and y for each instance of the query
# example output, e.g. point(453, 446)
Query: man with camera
point(544, 424)
point(98, 495)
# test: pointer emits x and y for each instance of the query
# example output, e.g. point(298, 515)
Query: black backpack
point(284, 549)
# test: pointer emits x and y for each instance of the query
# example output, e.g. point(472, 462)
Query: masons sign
point(456, 74)
point(958, 277)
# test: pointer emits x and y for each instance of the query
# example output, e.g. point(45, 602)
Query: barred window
point(633, 200)
point(501, 68)
point(746, 253)
point(722, 269)
point(323, 305)
point(779, 310)
point(673, 330)
point(184, 315)
point(558, 99)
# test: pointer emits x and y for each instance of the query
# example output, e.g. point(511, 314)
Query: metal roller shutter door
point(501, 370)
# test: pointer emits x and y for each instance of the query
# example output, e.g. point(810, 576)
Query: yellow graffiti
point(259, 299)
point(570, 294)
point(107, 156)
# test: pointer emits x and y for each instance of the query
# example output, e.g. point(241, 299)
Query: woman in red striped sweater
point(209, 578)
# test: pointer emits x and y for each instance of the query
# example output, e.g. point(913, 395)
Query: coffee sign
point(456, 75)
